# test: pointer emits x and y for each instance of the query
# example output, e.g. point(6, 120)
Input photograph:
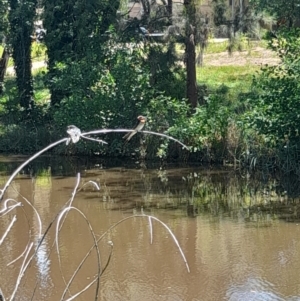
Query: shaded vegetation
point(105, 74)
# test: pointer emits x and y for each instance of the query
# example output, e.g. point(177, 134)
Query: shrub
point(276, 107)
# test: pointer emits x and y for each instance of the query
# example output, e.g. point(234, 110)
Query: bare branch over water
point(30, 252)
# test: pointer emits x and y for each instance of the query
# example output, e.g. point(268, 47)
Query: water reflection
point(233, 229)
point(252, 290)
point(41, 196)
point(43, 264)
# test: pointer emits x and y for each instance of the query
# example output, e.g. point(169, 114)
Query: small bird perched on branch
point(139, 127)
point(74, 134)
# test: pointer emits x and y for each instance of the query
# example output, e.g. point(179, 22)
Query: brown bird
point(139, 127)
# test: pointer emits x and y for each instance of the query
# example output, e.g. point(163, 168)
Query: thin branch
point(63, 221)
point(65, 211)
point(83, 135)
point(8, 209)
point(151, 229)
point(66, 205)
point(92, 139)
point(2, 191)
point(151, 217)
point(2, 296)
point(37, 214)
point(60, 217)
point(83, 290)
point(18, 204)
point(109, 257)
point(106, 131)
point(175, 240)
point(8, 229)
point(22, 271)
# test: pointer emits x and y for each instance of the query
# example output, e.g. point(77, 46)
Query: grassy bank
point(234, 77)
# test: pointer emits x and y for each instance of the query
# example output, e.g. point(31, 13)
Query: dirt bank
point(257, 56)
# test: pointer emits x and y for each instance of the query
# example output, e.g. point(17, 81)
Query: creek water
point(239, 233)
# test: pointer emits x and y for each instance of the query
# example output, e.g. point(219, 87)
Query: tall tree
point(21, 16)
point(76, 31)
point(190, 52)
point(156, 14)
point(4, 29)
point(202, 34)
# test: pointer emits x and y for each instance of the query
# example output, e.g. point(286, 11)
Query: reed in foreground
point(35, 243)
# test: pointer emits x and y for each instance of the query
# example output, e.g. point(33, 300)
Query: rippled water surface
point(239, 233)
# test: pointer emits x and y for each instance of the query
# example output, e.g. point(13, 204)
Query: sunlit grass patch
point(231, 76)
point(243, 44)
point(38, 51)
point(41, 70)
point(10, 62)
point(214, 47)
point(41, 92)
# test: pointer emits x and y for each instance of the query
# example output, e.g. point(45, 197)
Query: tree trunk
point(170, 8)
point(21, 15)
point(3, 66)
point(190, 53)
point(200, 56)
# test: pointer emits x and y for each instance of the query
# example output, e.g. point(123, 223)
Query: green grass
point(234, 77)
point(216, 47)
point(10, 62)
point(41, 93)
point(238, 78)
point(38, 53)
point(244, 44)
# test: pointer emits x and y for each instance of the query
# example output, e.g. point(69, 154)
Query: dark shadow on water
point(256, 198)
point(70, 165)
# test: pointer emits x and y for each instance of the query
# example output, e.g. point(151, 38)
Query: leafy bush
point(205, 131)
point(120, 94)
point(276, 107)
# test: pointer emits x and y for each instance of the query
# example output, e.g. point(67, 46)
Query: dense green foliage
point(4, 31)
point(103, 73)
point(286, 12)
point(4, 24)
point(120, 94)
point(21, 15)
point(76, 31)
point(276, 109)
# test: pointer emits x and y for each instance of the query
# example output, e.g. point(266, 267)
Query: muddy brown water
point(239, 233)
